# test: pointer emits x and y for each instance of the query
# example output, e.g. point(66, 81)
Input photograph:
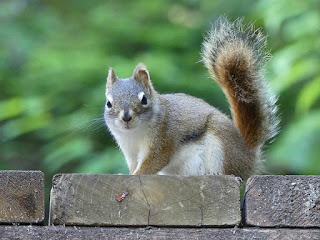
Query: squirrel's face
point(129, 102)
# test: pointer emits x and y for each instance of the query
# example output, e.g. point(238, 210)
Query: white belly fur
point(133, 145)
point(197, 158)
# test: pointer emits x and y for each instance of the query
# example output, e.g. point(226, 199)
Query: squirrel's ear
point(141, 73)
point(111, 77)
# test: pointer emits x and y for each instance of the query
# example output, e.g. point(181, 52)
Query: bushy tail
point(235, 56)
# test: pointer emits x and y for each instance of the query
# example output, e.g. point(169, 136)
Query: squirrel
point(183, 135)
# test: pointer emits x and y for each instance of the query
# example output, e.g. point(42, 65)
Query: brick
point(282, 201)
point(97, 233)
point(90, 199)
point(21, 197)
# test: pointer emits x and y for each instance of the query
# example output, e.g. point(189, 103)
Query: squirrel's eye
point(109, 104)
point(144, 100)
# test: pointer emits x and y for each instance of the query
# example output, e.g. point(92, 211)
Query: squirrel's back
point(193, 121)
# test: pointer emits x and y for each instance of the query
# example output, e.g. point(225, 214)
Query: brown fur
point(233, 71)
point(234, 55)
point(160, 153)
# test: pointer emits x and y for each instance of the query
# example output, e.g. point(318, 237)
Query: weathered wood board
point(91, 199)
point(283, 201)
point(97, 233)
point(21, 197)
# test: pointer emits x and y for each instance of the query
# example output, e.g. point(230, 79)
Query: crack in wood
point(149, 207)
point(201, 211)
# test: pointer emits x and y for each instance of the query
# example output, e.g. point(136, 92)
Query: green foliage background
point(54, 57)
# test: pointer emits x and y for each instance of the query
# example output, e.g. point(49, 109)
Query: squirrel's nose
point(126, 116)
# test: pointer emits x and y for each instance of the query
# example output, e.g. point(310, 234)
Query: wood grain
point(282, 201)
point(21, 197)
point(91, 200)
point(97, 233)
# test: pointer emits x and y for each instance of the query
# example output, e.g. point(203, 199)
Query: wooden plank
point(283, 201)
point(90, 199)
point(97, 233)
point(21, 197)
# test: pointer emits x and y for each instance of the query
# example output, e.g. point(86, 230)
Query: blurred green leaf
point(293, 65)
point(308, 96)
point(298, 146)
point(308, 24)
point(111, 160)
point(23, 125)
point(10, 108)
point(58, 154)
